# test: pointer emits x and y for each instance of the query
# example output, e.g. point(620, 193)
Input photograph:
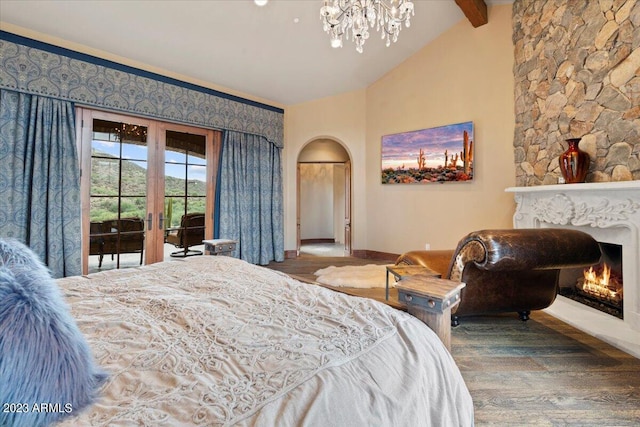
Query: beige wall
point(341, 118)
point(464, 75)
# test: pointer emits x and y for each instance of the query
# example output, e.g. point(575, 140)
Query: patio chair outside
point(190, 233)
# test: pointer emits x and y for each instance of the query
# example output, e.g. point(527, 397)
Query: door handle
point(161, 218)
point(149, 221)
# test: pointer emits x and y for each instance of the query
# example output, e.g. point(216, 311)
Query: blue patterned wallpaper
point(38, 68)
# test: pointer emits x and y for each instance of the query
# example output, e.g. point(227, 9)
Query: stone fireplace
point(577, 75)
point(610, 212)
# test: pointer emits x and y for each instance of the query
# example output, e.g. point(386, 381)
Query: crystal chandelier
point(341, 17)
point(129, 133)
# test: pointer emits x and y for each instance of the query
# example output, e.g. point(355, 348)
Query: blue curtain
point(249, 202)
point(40, 179)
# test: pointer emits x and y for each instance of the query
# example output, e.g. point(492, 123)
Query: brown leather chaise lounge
point(508, 270)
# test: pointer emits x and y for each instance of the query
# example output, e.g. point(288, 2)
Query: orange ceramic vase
point(574, 163)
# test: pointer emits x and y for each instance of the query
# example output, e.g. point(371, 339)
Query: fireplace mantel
point(610, 212)
point(580, 187)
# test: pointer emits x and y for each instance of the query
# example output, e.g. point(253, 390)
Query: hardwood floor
point(542, 372)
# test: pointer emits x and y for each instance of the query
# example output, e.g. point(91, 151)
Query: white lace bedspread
point(213, 341)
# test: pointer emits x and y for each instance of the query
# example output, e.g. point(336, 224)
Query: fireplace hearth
point(610, 212)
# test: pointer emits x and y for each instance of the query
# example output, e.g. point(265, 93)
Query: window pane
point(175, 157)
point(133, 207)
point(175, 177)
point(105, 174)
point(134, 151)
point(196, 158)
point(173, 210)
point(196, 204)
point(197, 185)
point(134, 178)
point(105, 149)
point(103, 208)
point(185, 174)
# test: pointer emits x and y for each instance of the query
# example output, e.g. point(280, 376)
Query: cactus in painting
point(467, 153)
point(422, 162)
point(454, 161)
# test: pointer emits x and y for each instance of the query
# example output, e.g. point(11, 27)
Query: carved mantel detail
point(554, 210)
point(563, 210)
point(605, 213)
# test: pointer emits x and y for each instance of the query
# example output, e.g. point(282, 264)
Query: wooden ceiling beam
point(475, 11)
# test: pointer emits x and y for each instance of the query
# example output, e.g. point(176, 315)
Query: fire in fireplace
point(600, 286)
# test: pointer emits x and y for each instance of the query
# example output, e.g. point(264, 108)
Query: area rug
point(354, 276)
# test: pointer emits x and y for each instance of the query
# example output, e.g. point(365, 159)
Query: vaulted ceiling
point(277, 53)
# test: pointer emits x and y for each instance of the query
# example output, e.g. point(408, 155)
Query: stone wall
point(577, 75)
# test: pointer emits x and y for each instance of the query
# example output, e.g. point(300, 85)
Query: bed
point(213, 341)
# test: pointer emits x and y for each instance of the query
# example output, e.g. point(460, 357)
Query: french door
point(188, 187)
point(128, 164)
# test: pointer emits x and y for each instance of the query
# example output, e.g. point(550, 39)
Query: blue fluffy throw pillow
point(47, 371)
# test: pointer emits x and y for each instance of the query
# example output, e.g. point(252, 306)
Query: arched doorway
point(323, 208)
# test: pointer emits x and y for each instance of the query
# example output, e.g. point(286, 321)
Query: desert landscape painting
point(439, 154)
